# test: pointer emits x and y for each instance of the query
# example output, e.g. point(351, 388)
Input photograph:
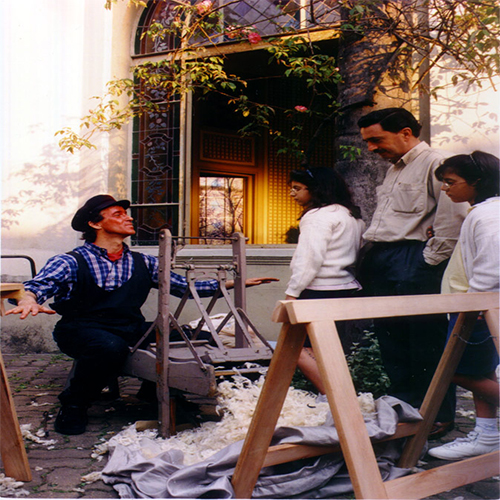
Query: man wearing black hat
point(98, 289)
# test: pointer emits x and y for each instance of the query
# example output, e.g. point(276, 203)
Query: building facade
point(184, 167)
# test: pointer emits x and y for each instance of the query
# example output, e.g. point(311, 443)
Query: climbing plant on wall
point(387, 47)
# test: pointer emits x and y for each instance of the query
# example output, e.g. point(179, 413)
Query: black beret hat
point(92, 207)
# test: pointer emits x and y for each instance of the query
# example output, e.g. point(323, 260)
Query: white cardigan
point(329, 243)
point(480, 246)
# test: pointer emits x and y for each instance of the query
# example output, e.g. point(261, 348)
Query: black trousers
point(411, 346)
point(344, 328)
point(100, 350)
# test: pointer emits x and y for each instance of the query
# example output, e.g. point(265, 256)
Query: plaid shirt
point(58, 277)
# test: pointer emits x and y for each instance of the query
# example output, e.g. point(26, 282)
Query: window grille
point(267, 17)
point(155, 170)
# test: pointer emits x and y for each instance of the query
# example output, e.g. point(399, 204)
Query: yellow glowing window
point(222, 204)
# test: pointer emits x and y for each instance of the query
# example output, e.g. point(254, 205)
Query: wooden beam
point(306, 311)
point(163, 335)
point(10, 291)
point(267, 411)
point(283, 453)
point(444, 478)
point(319, 316)
point(438, 386)
point(341, 394)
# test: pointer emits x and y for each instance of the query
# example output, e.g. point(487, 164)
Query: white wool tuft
point(92, 477)
point(27, 434)
point(367, 404)
point(9, 487)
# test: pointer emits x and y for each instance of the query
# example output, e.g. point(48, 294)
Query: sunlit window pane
point(221, 206)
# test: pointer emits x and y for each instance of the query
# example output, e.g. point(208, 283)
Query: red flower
point(233, 32)
point(204, 7)
point(254, 37)
point(300, 109)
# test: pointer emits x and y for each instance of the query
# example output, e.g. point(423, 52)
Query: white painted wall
point(48, 76)
point(56, 55)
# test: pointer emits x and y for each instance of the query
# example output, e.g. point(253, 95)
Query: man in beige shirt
point(402, 260)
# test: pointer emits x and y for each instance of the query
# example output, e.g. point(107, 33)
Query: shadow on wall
point(464, 118)
point(48, 184)
point(54, 185)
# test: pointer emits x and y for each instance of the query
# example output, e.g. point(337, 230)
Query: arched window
point(192, 171)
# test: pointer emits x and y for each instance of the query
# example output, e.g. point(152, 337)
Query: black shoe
point(71, 420)
point(440, 429)
point(147, 392)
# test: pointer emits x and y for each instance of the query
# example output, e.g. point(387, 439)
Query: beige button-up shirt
point(410, 200)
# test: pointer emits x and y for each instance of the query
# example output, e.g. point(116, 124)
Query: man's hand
point(251, 282)
point(27, 305)
point(259, 281)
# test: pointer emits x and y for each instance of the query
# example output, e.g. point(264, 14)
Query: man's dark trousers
point(97, 327)
point(411, 346)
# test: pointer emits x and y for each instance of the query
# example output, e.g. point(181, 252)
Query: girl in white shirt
point(475, 267)
point(329, 242)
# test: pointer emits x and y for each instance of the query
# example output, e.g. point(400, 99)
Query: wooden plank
point(267, 411)
point(438, 386)
point(186, 375)
point(240, 293)
point(10, 291)
point(163, 334)
point(444, 478)
point(10, 287)
point(306, 311)
point(280, 314)
point(283, 453)
point(339, 388)
point(14, 458)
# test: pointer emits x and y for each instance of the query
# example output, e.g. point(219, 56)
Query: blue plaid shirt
point(58, 277)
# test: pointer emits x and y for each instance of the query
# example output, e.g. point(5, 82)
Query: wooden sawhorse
point(12, 451)
point(317, 319)
point(15, 460)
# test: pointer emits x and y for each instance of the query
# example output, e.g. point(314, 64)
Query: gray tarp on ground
point(326, 476)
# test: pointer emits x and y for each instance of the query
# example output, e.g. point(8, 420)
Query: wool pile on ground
point(236, 401)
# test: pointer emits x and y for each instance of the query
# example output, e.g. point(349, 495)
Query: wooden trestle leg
point(341, 394)
point(272, 397)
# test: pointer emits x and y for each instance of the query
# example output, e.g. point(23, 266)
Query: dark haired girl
point(475, 267)
point(330, 238)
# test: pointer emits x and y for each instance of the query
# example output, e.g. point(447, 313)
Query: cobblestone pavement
point(37, 379)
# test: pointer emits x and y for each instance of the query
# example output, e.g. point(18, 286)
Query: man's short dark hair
point(391, 120)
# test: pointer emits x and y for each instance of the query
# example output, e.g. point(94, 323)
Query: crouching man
point(98, 290)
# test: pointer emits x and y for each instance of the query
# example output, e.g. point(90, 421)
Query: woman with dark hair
point(475, 267)
point(329, 241)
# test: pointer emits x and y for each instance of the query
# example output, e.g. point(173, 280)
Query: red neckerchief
point(115, 256)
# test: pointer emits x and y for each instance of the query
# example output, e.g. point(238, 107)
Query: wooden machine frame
point(316, 318)
point(190, 365)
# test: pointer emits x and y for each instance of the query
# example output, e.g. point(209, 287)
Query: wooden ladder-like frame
point(316, 318)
